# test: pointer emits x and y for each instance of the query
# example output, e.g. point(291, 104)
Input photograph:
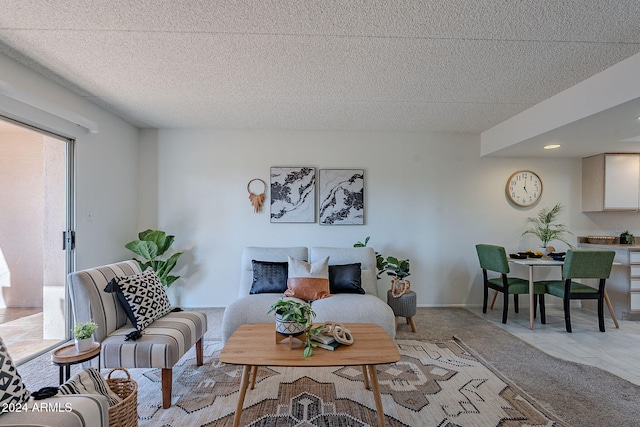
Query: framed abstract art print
point(341, 197)
point(293, 194)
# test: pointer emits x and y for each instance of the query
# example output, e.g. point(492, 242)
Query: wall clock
point(524, 188)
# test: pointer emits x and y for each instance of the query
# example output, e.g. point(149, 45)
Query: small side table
point(67, 355)
point(405, 306)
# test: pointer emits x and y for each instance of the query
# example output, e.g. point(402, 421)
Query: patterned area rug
point(434, 384)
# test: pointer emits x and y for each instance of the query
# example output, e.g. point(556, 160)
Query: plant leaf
point(147, 250)
point(159, 238)
point(170, 280)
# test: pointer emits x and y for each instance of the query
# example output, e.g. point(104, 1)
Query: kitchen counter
point(623, 285)
point(583, 242)
point(613, 247)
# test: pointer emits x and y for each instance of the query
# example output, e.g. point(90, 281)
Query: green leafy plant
point(83, 330)
point(545, 228)
point(627, 238)
point(150, 245)
point(301, 313)
point(381, 263)
point(398, 268)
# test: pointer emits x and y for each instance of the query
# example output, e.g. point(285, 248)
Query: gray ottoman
point(403, 306)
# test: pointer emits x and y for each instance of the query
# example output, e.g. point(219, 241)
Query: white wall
point(106, 163)
point(428, 197)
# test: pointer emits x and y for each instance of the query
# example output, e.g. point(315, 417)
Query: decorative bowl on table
point(534, 255)
point(518, 256)
point(555, 255)
point(601, 240)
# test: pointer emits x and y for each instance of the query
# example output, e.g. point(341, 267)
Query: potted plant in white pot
point(83, 331)
point(293, 318)
point(546, 229)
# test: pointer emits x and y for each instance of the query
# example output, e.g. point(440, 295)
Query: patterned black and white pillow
point(142, 296)
point(12, 390)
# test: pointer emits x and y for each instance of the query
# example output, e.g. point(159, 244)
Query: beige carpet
point(434, 384)
point(580, 395)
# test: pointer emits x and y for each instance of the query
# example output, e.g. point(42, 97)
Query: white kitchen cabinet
point(611, 182)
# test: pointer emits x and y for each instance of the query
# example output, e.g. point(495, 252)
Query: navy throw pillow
point(345, 279)
point(269, 277)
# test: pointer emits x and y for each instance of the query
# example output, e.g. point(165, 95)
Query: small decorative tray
point(517, 256)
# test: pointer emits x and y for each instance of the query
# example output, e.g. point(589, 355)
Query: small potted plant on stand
point(544, 228)
point(83, 332)
point(399, 270)
point(294, 318)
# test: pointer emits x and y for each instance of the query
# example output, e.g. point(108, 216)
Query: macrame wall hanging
point(257, 199)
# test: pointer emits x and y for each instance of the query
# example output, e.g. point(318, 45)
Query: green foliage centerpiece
point(294, 318)
point(545, 228)
point(151, 245)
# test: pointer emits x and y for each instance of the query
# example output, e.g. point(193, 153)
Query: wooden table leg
point(531, 296)
point(613, 314)
point(493, 300)
point(244, 383)
point(366, 377)
point(376, 394)
point(254, 374)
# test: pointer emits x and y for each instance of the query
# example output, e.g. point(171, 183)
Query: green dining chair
point(582, 264)
point(494, 259)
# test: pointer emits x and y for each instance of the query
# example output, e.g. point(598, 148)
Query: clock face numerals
point(524, 188)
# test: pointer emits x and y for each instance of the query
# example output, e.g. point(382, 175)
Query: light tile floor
point(616, 350)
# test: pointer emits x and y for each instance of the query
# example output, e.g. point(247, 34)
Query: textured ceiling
point(411, 65)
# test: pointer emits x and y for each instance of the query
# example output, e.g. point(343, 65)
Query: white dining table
point(534, 262)
point(540, 262)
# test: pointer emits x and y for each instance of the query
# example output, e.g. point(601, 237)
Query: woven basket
point(601, 240)
point(125, 413)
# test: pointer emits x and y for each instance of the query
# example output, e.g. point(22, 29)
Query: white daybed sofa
point(341, 307)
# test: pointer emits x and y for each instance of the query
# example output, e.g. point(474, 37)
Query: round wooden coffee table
point(67, 355)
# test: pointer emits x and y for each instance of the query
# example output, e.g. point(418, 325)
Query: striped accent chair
point(163, 342)
point(71, 410)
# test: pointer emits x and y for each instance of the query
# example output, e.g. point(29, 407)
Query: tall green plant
point(544, 227)
point(150, 245)
point(381, 263)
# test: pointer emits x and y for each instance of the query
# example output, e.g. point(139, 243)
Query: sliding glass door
point(36, 237)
